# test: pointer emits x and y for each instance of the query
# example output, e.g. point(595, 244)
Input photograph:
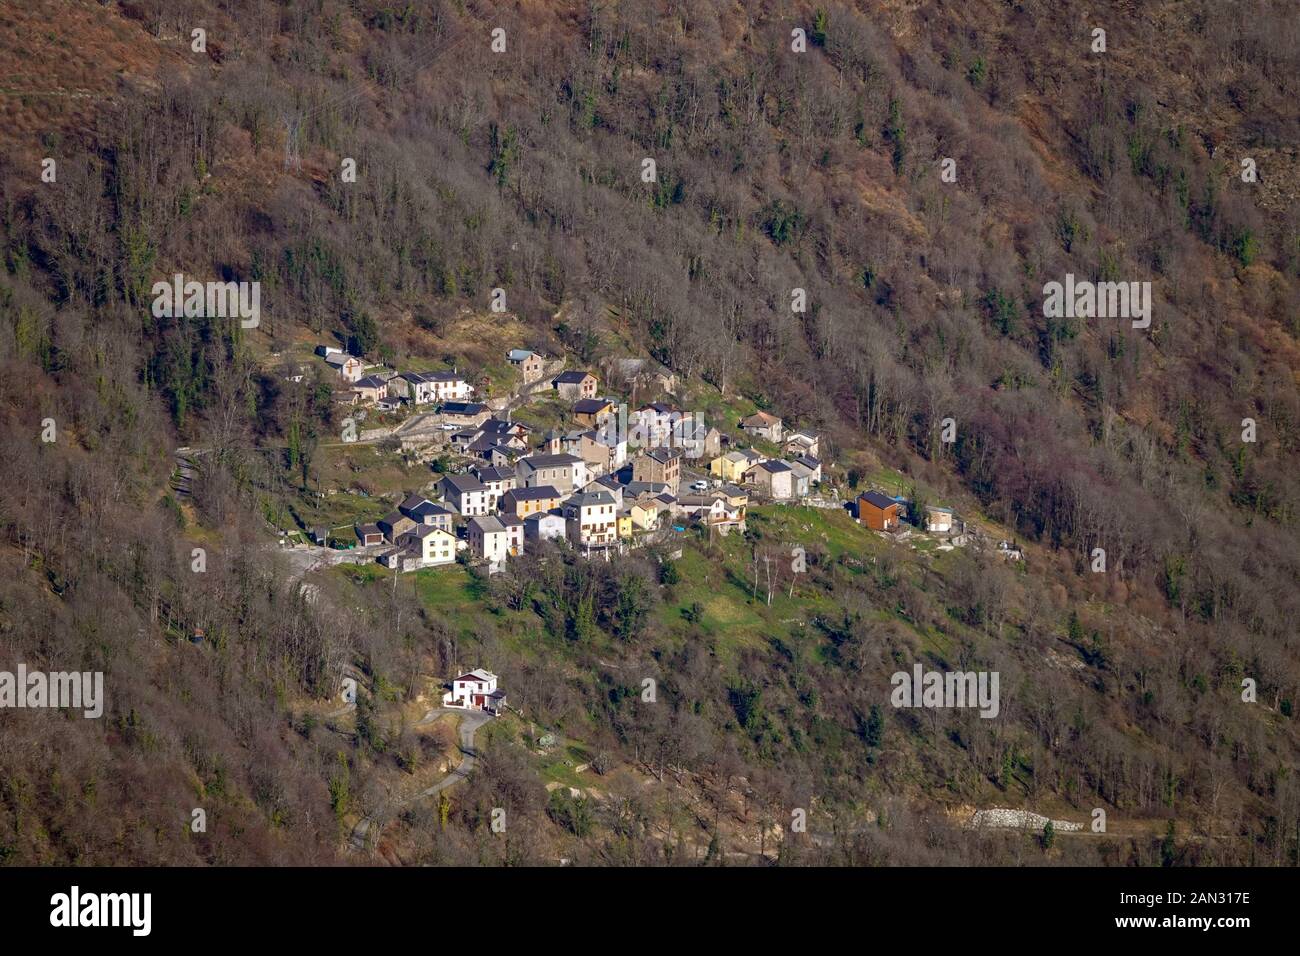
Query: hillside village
point(650, 347)
point(607, 477)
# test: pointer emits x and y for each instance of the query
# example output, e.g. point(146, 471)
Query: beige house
point(370, 389)
point(394, 525)
point(591, 519)
point(523, 502)
point(799, 444)
point(762, 425)
point(575, 385)
point(530, 364)
point(938, 520)
point(593, 412)
point(736, 498)
point(602, 453)
point(659, 464)
point(705, 445)
point(564, 472)
point(772, 479)
point(645, 514)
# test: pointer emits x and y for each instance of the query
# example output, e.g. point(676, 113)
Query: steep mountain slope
point(775, 170)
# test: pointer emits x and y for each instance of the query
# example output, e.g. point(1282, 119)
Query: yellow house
point(625, 525)
point(643, 515)
point(733, 465)
point(735, 497)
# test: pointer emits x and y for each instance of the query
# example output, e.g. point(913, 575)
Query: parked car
point(700, 486)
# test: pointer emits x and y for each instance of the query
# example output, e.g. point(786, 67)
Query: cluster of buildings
point(615, 476)
point(387, 389)
point(795, 473)
point(497, 512)
point(518, 488)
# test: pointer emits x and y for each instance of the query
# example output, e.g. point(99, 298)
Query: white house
point(707, 508)
point(544, 526)
point(514, 526)
point(476, 690)
point(591, 519)
point(498, 481)
point(802, 477)
point(349, 366)
point(652, 425)
point(434, 545)
point(938, 519)
point(423, 388)
point(403, 558)
point(467, 495)
point(488, 539)
point(812, 464)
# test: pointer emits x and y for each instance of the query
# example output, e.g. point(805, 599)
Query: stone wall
point(1000, 818)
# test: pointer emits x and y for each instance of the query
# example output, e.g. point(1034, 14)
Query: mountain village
point(613, 477)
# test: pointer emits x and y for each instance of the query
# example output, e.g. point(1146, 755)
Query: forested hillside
point(776, 170)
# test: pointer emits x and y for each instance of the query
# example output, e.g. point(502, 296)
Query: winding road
point(470, 722)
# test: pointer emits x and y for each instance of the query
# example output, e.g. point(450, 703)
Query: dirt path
point(366, 832)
